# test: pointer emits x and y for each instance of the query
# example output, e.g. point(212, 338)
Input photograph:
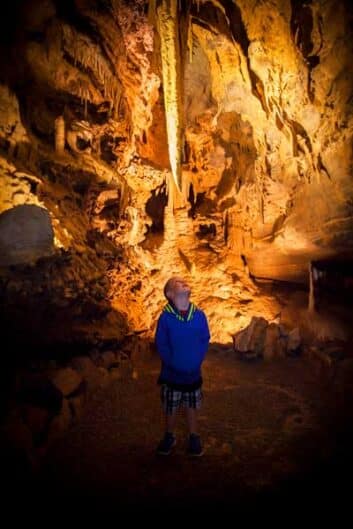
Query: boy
point(182, 339)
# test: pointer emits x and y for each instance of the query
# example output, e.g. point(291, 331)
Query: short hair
point(168, 286)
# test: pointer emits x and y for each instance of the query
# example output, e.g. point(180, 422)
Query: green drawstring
point(170, 309)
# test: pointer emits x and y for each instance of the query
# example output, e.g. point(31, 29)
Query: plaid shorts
point(172, 399)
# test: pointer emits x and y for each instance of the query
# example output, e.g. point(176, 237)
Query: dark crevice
point(237, 27)
point(207, 231)
point(226, 183)
point(313, 61)
point(191, 195)
point(202, 206)
point(155, 206)
point(301, 25)
point(322, 168)
point(279, 123)
point(258, 89)
point(107, 145)
point(209, 16)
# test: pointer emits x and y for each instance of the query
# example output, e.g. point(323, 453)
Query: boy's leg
point(170, 403)
point(170, 399)
point(166, 444)
point(192, 402)
point(191, 417)
point(170, 422)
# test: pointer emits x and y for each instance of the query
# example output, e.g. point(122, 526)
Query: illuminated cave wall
point(259, 111)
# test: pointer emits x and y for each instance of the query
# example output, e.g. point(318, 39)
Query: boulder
point(26, 234)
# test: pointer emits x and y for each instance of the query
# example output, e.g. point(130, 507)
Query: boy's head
point(177, 288)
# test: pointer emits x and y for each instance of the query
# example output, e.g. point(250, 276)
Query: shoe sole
point(159, 453)
point(197, 455)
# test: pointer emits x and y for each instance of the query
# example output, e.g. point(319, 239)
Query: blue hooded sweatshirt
point(182, 343)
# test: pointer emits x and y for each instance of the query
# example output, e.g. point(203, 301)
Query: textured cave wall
point(281, 76)
point(266, 151)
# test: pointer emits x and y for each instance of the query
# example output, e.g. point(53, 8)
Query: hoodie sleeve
point(162, 340)
point(205, 335)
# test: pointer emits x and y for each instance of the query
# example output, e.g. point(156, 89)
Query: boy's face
point(179, 289)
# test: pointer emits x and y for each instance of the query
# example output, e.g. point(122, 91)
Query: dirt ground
point(276, 436)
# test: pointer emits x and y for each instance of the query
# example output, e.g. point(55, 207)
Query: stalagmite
point(311, 306)
point(167, 22)
point(59, 135)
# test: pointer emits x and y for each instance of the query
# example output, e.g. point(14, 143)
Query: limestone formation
point(212, 139)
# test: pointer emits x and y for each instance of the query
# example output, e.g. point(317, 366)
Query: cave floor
point(272, 433)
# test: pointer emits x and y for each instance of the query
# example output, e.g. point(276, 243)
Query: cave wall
point(266, 108)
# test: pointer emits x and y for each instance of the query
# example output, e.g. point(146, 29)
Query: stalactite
point(88, 55)
point(167, 21)
point(190, 39)
point(186, 187)
point(169, 184)
point(260, 196)
point(151, 12)
point(59, 135)
point(116, 104)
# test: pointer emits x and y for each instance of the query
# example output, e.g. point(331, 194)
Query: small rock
point(226, 448)
point(67, 380)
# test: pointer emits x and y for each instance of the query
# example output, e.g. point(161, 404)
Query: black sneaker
point(195, 446)
point(165, 446)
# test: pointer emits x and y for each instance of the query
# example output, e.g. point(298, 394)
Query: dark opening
point(155, 210)
point(333, 281)
point(107, 144)
point(82, 144)
point(206, 231)
point(201, 206)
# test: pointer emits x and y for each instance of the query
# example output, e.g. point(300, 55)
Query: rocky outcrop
point(48, 398)
point(267, 340)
